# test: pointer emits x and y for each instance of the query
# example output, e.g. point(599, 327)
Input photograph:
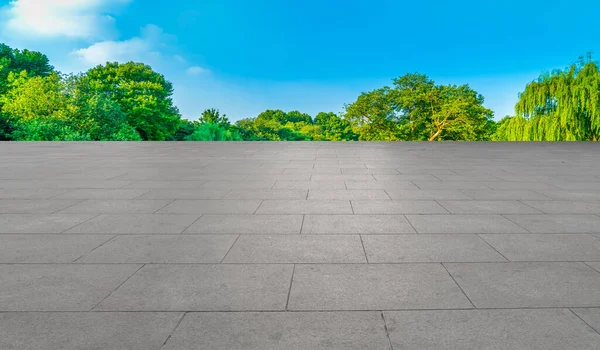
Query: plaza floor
point(299, 245)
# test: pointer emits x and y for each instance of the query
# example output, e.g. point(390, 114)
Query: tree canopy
point(131, 101)
point(560, 106)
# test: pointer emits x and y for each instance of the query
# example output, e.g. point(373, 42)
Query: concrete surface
point(299, 246)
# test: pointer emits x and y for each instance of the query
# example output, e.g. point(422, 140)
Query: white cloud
point(196, 70)
point(141, 48)
point(78, 19)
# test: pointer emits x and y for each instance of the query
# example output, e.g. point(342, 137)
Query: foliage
point(142, 94)
point(417, 109)
point(561, 106)
point(213, 132)
point(130, 101)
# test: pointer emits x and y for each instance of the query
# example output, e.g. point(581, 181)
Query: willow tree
point(561, 106)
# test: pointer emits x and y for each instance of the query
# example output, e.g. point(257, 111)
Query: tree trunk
point(434, 136)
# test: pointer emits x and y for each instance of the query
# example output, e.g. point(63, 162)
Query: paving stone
point(518, 185)
point(30, 193)
point(533, 284)
point(556, 223)
point(190, 206)
point(159, 249)
point(103, 193)
point(374, 287)
point(297, 249)
point(34, 206)
point(428, 248)
point(280, 330)
point(427, 194)
point(116, 206)
point(239, 185)
point(347, 194)
point(40, 223)
point(356, 224)
point(488, 207)
point(489, 329)
point(85, 330)
point(566, 207)
point(46, 248)
point(344, 177)
point(450, 185)
point(503, 195)
point(589, 316)
point(135, 224)
point(305, 207)
point(63, 287)
point(463, 224)
point(203, 288)
point(379, 185)
point(306, 185)
point(266, 194)
point(397, 207)
point(184, 193)
point(574, 195)
point(246, 224)
point(546, 247)
point(172, 184)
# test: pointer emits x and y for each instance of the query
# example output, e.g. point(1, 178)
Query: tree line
point(132, 102)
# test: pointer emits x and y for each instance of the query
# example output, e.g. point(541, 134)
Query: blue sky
point(243, 57)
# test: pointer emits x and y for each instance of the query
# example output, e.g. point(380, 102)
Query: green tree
point(373, 115)
point(214, 116)
point(141, 93)
point(335, 128)
point(213, 132)
point(561, 106)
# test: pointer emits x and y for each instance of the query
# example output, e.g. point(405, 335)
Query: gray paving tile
point(428, 248)
point(347, 194)
point(566, 207)
point(504, 195)
point(590, 316)
point(30, 193)
point(185, 193)
point(280, 330)
point(488, 207)
point(103, 193)
point(159, 249)
point(84, 330)
point(397, 207)
point(266, 194)
point(546, 247)
point(556, 223)
point(63, 287)
point(116, 206)
point(40, 223)
point(463, 224)
point(518, 185)
point(232, 185)
point(379, 185)
point(532, 284)
point(247, 224)
point(574, 195)
point(305, 207)
point(207, 206)
point(135, 224)
point(356, 224)
point(46, 248)
point(34, 206)
point(172, 184)
point(306, 185)
point(450, 185)
point(489, 329)
point(297, 249)
point(344, 177)
point(374, 287)
point(203, 288)
point(427, 194)
point(594, 265)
